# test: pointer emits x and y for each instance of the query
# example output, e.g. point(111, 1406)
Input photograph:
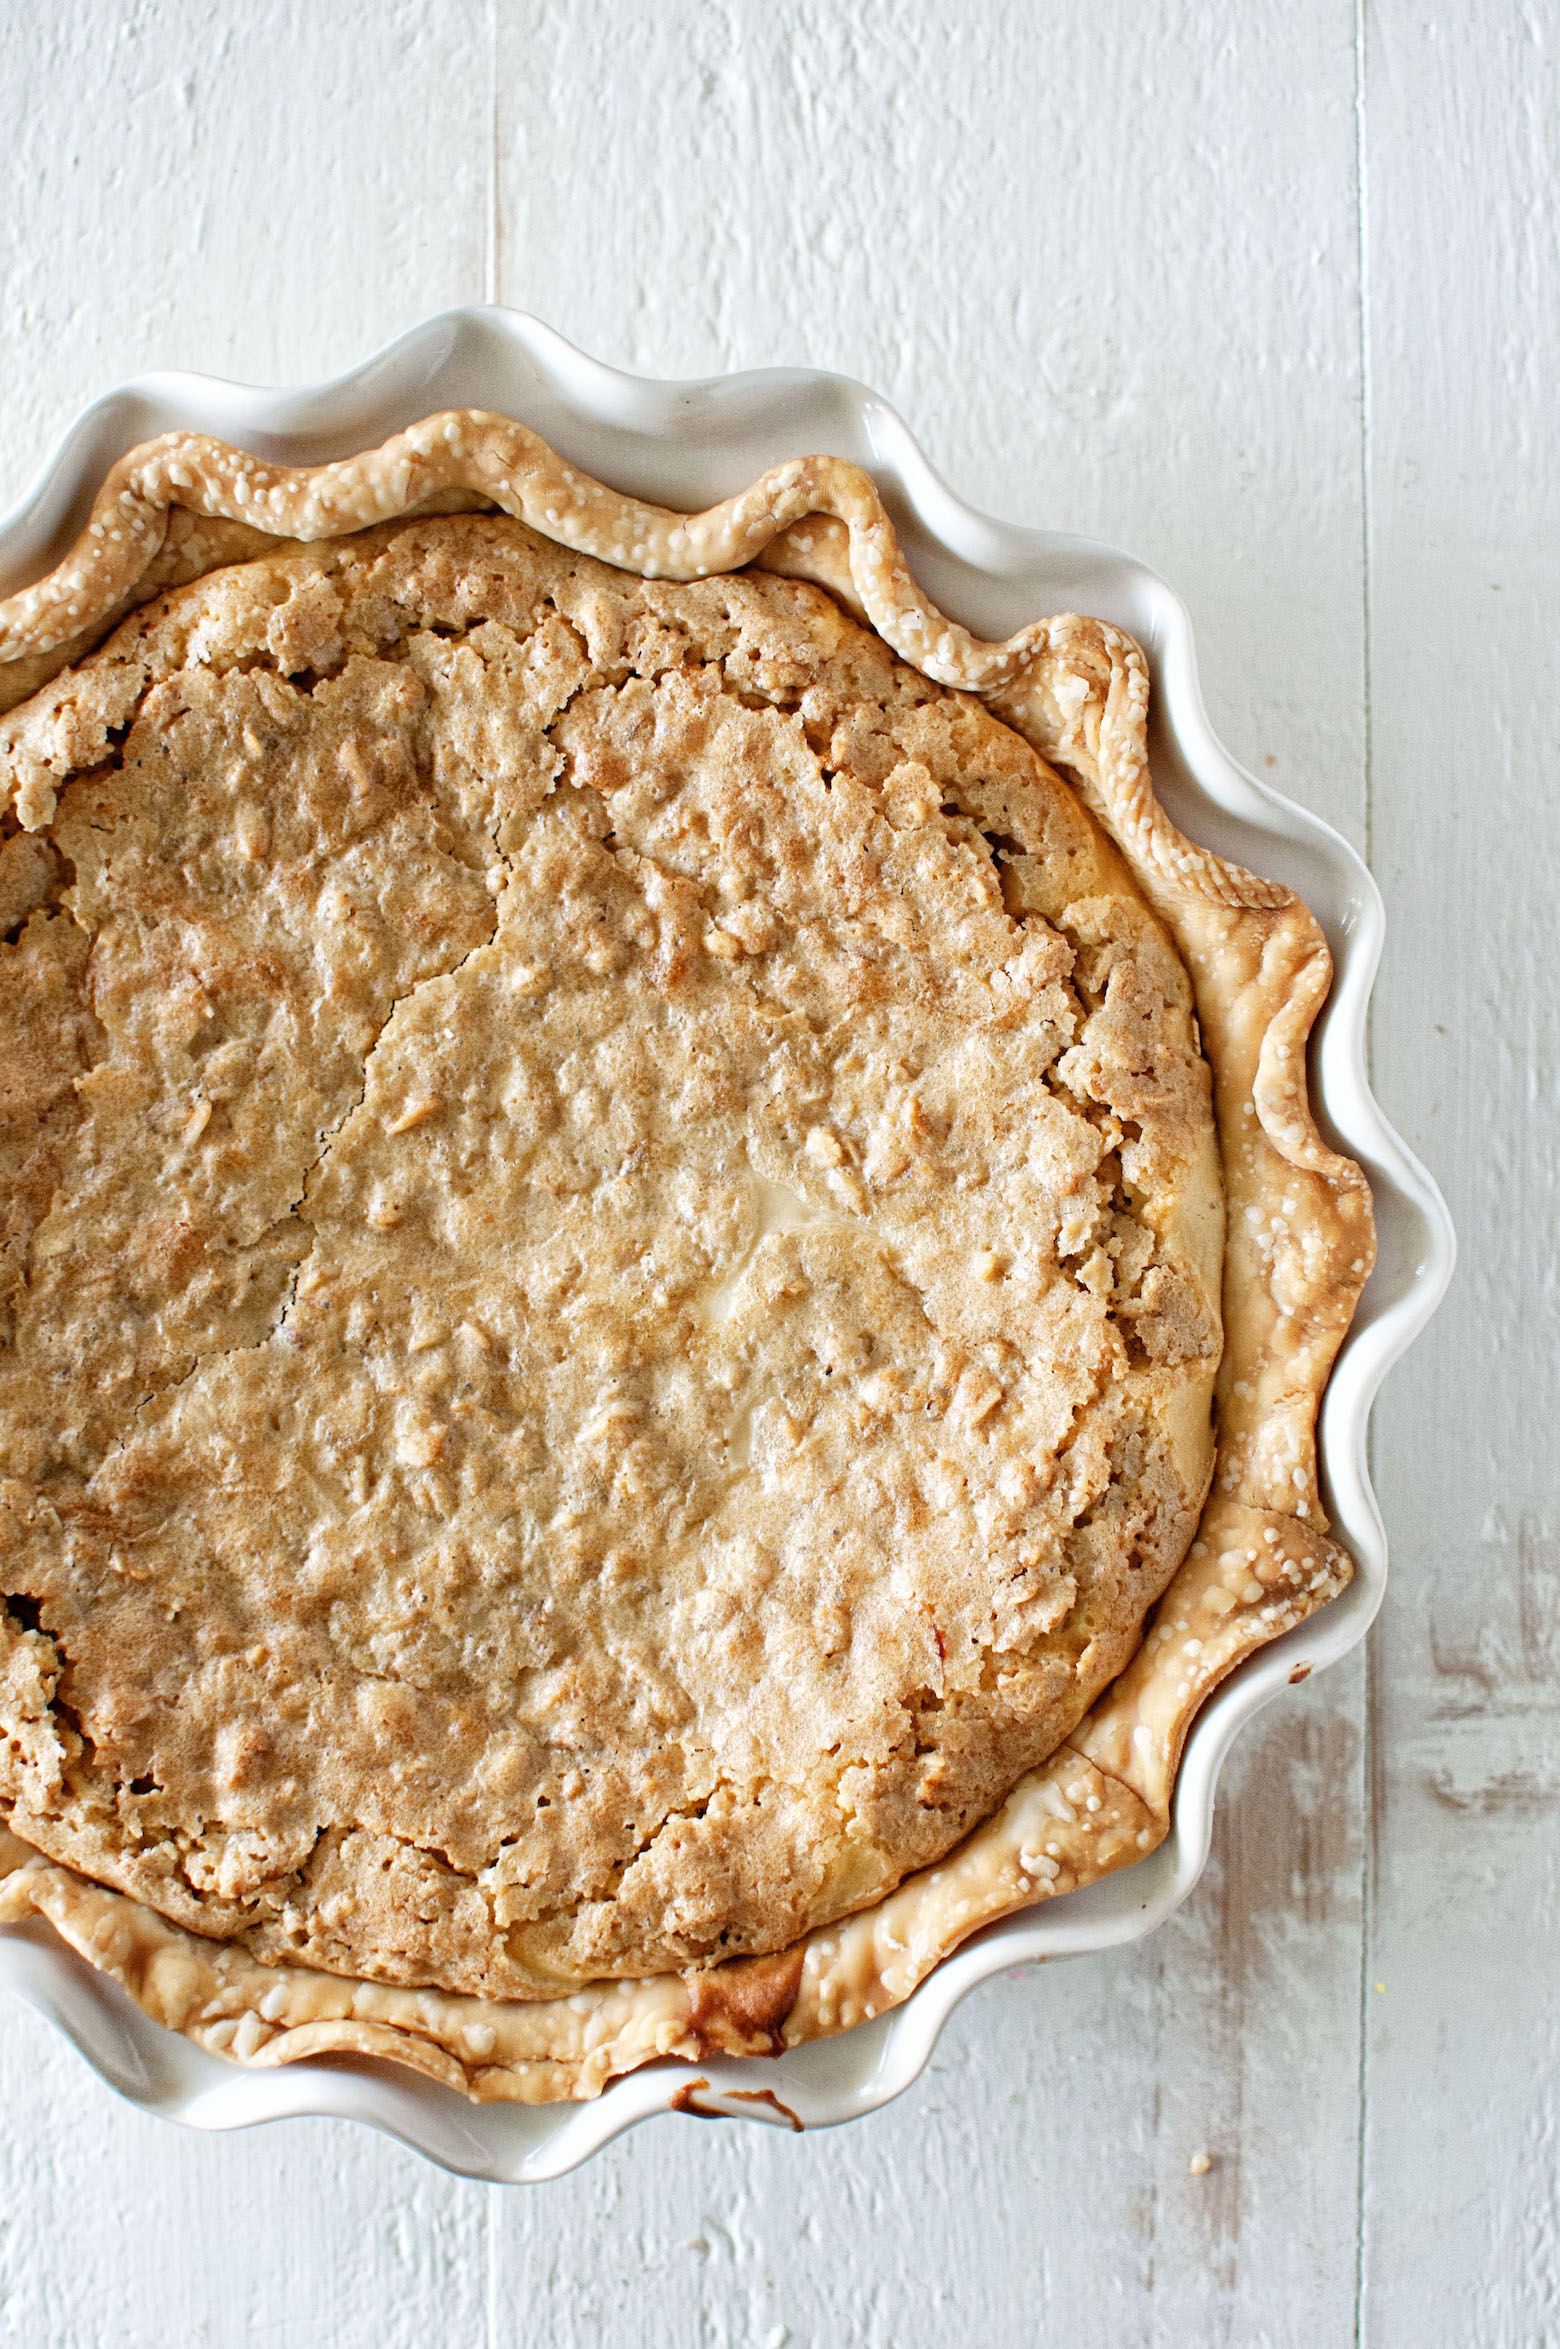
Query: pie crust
point(1297, 1249)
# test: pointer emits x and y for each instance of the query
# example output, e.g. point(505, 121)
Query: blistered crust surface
point(1300, 1246)
point(611, 1265)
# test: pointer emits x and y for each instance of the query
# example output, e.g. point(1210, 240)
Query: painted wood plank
point(1106, 268)
point(266, 194)
point(1104, 260)
point(1463, 2055)
point(119, 2231)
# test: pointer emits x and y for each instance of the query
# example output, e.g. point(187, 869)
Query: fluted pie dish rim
point(675, 444)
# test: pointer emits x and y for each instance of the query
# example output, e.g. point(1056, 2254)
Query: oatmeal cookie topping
point(612, 1265)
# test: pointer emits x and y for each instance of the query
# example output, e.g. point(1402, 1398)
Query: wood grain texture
point(1462, 2179)
point(267, 194)
point(262, 193)
point(1105, 259)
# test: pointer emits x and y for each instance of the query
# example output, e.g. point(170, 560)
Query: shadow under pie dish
point(619, 1190)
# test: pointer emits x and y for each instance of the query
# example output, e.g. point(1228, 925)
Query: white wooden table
point(1267, 293)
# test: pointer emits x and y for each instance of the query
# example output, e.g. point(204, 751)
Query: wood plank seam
point(1368, 1724)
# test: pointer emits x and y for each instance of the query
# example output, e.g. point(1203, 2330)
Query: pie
point(664, 1270)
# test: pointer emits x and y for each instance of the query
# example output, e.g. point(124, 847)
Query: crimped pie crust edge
point(1300, 1245)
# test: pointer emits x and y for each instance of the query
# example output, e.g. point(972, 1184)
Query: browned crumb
point(610, 1253)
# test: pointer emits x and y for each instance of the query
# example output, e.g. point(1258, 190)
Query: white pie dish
point(687, 446)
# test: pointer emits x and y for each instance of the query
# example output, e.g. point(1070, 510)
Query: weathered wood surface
point(1107, 260)
point(1461, 2166)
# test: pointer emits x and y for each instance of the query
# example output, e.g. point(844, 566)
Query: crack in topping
point(595, 1351)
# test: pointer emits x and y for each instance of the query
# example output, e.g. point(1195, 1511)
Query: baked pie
point(665, 1268)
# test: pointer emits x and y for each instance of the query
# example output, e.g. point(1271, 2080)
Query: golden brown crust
point(660, 1209)
point(1300, 1246)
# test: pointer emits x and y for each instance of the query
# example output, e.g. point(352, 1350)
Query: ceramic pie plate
point(687, 445)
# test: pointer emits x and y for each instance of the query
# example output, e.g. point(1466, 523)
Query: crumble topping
point(610, 1263)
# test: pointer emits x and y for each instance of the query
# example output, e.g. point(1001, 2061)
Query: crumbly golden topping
point(611, 1255)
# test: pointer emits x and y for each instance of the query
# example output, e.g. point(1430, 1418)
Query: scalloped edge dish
point(691, 446)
